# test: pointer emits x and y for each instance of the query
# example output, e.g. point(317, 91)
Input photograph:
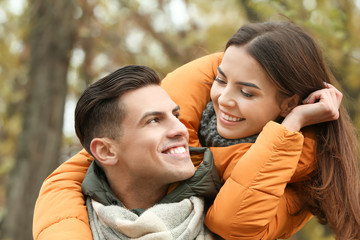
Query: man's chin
point(187, 173)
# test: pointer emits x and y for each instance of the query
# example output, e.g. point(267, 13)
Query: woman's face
point(244, 97)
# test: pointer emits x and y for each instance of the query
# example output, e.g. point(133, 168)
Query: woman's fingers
point(338, 94)
point(320, 106)
point(325, 103)
point(330, 93)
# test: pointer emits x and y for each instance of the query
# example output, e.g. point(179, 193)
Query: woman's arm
point(60, 211)
point(253, 202)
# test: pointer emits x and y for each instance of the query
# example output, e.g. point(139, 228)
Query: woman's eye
point(219, 80)
point(246, 94)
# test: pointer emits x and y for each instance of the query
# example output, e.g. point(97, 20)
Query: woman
point(293, 63)
point(286, 201)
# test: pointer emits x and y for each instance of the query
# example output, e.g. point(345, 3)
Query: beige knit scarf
point(181, 221)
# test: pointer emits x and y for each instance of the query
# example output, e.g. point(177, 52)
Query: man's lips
point(176, 150)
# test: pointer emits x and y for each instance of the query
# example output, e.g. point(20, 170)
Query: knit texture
point(209, 134)
point(181, 221)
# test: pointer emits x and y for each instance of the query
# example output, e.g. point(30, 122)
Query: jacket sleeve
point(189, 87)
point(60, 211)
point(254, 202)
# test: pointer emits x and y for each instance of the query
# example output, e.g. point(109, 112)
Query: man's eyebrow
point(221, 71)
point(157, 113)
point(176, 109)
point(151, 114)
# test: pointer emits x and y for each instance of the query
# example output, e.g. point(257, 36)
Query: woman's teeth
point(229, 118)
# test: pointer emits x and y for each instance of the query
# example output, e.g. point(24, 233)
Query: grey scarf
point(209, 135)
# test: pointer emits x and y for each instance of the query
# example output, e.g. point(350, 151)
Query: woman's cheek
point(214, 93)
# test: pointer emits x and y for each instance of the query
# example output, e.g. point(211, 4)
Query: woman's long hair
point(294, 63)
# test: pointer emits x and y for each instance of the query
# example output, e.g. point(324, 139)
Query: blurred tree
point(12, 78)
point(50, 42)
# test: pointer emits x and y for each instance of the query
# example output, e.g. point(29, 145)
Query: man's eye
point(177, 115)
point(219, 80)
point(154, 120)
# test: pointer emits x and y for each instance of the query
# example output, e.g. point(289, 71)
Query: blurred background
point(51, 50)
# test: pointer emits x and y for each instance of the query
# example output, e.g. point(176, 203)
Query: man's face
point(153, 146)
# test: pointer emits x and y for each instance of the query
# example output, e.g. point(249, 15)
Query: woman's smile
point(229, 119)
point(244, 97)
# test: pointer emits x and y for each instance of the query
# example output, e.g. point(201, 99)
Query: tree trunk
point(51, 39)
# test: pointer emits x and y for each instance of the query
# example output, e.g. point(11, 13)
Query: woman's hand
point(320, 106)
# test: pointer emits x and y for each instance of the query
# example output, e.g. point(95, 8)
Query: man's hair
point(99, 112)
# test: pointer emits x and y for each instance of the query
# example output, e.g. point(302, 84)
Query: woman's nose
point(226, 98)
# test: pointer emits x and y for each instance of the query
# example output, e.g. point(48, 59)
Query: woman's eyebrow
point(221, 71)
point(240, 83)
point(248, 85)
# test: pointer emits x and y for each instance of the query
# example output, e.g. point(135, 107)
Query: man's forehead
point(150, 98)
point(148, 94)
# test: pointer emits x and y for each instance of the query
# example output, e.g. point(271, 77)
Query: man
point(130, 126)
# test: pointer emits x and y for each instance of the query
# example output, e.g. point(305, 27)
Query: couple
point(270, 83)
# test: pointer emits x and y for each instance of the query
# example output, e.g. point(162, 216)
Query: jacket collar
point(204, 183)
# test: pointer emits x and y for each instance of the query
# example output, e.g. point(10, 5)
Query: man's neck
point(134, 195)
point(140, 199)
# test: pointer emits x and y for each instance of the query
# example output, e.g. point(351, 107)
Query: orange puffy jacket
point(254, 202)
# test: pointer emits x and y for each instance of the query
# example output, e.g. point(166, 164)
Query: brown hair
point(99, 111)
point(294, 63)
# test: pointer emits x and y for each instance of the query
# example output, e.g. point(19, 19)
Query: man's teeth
point(229, 118)
point(176, 150)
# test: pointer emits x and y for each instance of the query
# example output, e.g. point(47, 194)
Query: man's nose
point(177, 129)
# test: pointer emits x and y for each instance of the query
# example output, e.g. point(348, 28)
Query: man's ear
point(103, 150)
point(289, 104)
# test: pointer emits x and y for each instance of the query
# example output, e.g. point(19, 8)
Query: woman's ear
point(289, 104)
point(103, 150)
